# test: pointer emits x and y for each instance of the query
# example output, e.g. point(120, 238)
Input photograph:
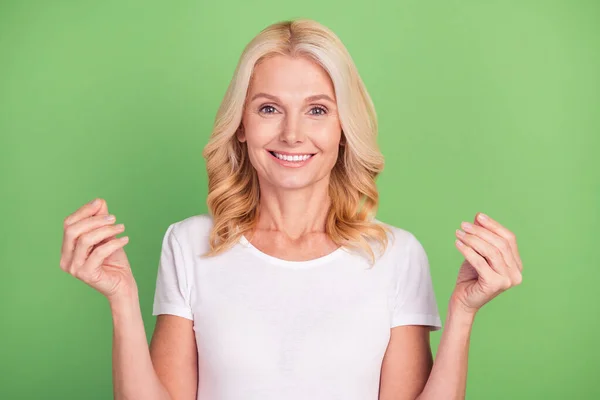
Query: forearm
point(134, 376)
point(448, 377)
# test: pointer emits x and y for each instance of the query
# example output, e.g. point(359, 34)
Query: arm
point(408, 370)
point(448, 378)
point(406, 364)
point(165, 371)
point(133, 374)
point(173, 346)
point(175, 356)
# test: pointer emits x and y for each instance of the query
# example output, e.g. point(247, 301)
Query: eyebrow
point(308, 99)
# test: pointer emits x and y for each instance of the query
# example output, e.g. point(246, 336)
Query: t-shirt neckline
point(291, 264)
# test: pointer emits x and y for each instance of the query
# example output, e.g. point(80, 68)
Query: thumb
point(103, 208)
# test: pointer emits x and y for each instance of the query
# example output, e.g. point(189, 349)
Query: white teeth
point(296, 158)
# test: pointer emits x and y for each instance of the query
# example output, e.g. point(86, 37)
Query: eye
point(321, 110)
point(270, 109)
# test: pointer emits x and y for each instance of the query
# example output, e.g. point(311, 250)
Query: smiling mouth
point(290, 157)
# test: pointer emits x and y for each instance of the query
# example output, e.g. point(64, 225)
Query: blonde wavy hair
point(233, 188)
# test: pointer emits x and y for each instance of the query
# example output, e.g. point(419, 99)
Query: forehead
point(287, 76)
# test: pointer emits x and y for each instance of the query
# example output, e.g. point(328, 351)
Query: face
point(290, 123)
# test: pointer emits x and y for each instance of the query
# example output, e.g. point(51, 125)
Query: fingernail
point(110, 218)
point(94, 202)
point(482, 217)
point(466, 226)
point(460, 233)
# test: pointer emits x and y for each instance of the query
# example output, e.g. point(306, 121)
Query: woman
point(290, 288)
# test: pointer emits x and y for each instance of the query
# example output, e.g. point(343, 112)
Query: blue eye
point(271, 110)
point(267, 107)
point(323, 110)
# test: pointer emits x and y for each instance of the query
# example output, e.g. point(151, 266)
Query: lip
point(286, 153)
point(291, 164)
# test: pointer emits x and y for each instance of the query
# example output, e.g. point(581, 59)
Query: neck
point(296, 212)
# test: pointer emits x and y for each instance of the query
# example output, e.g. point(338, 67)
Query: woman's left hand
point(492, 263)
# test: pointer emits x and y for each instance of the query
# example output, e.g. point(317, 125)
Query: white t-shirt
point(268, 328)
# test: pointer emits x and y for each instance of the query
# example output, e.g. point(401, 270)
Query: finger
point(476, 260)
point(89, 240)
point(74, 231)
point(490, 253)
point(487, 222)
point(497, 241)
point(104, 211)
point(103, 208)
point(87, 210)
point(100, 253)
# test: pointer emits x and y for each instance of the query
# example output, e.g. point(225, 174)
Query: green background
point(488, 106)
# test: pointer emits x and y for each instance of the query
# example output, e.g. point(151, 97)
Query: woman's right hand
point(92, 253)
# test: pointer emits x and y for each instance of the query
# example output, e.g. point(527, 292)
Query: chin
point(291, 184)
point(298, 181)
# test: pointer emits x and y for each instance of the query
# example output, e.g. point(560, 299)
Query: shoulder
point(407, 260)
point(402, 247)
point(398, 237)
point(193, 229)
point(196, 223)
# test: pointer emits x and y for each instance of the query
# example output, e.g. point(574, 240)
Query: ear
point(241, 134)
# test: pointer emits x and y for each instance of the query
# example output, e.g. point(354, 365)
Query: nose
point(291, 130)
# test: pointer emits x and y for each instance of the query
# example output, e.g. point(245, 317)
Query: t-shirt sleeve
point(172, 292)
point(414, 301)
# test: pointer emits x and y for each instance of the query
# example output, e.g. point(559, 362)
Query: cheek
point(327, 138)
point(259, 132)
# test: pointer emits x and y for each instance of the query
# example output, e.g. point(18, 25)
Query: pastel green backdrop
point(483, 106)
